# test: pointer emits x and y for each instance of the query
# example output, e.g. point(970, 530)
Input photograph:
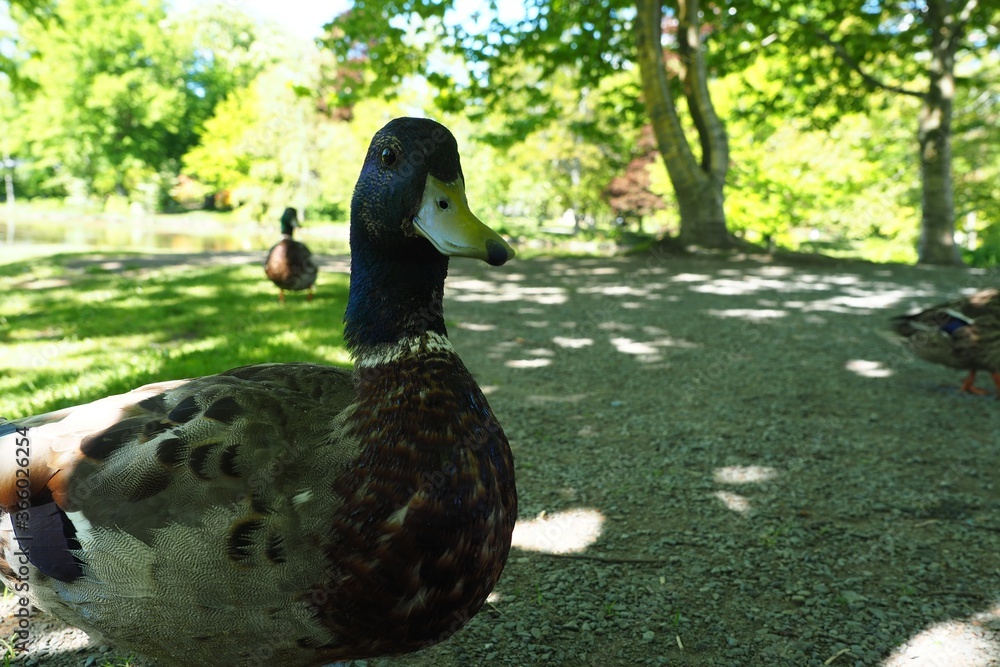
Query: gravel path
point(723, 463)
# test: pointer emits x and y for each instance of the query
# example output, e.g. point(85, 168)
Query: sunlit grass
point(72, 331)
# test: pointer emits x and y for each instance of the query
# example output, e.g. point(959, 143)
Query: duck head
point(289, 221)
point(410, 198)
point(409, 215)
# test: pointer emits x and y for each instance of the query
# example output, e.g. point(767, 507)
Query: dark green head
point(409, 214)
point(289, 221)
point(410, 198)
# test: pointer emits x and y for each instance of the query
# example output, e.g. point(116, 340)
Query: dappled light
point(472, 326)
point(968, 643)
point(528, 363)
point(744, 474)
point(649, 350)
point(538, 399)
point(853, 294)
point(564, 532)
point(731, 287)
point(868, 369)
point(629, 346)
point(733, 501)
point(690, 278)
point(859, 299)
point(752, 314)
point(616, 290)
point(740, 475)
point(45, 283)
point(572, 343)
point(481, 290)
point(120, 323)
point(642, 350)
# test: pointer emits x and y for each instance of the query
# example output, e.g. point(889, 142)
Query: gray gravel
point(721, 462)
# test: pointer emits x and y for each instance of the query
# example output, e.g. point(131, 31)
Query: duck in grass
point(964, 333)
point(287, 514)
point(290, 264)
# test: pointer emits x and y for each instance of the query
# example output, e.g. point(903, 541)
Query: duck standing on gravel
point(290, 264)
point(964, 333)
point(287, 514)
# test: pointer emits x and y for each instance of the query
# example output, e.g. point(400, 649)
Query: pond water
point(186, 233)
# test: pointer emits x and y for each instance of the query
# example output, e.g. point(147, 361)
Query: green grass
point(118, 662)
point(72, 332)
point(7, 652)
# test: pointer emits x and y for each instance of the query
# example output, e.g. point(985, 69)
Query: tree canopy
point(820, 126)
point(119, 92)
point(836, 57)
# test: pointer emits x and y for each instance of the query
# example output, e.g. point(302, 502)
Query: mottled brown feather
point(290, 265)
point(972, 347)
point(460, 505)
point(382, 582)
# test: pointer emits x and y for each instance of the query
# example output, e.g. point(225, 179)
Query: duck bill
point(445, 220)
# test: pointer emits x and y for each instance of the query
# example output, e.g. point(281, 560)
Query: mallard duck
point(964, 333)
point(290, 264)
point(287, 514)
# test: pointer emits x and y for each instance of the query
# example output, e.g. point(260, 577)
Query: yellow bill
point(445, 220)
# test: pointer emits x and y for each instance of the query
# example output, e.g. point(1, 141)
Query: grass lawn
point(73, 330)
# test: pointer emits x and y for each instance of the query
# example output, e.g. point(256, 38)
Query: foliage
point(563, 168)
point(516, 57)
point(977, 161)
point(223, 51)
point(629, 195)
point(813, 163)
point(850, 189)
point(833, 58)
point(513, 53)
point(510, 73)
point(271, 148)
point(121, 90)
point(40, 10)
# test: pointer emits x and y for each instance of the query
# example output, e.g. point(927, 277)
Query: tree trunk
point(699, 187)
point(937, 230)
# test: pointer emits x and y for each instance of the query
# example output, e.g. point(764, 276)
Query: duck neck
point(393, 302)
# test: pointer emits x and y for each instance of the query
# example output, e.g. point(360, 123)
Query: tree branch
point(670, 138)
point(839, 49)
point(714, 149)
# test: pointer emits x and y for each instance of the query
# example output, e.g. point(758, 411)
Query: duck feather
point(282, 513)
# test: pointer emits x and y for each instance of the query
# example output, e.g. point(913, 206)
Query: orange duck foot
point(969, 384)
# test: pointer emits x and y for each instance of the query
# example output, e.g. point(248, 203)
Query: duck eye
point(443, 204)
point(388, 157)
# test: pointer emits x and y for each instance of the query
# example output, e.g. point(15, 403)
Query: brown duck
point(290, 264)
point(287, 514)
point(964, 333)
